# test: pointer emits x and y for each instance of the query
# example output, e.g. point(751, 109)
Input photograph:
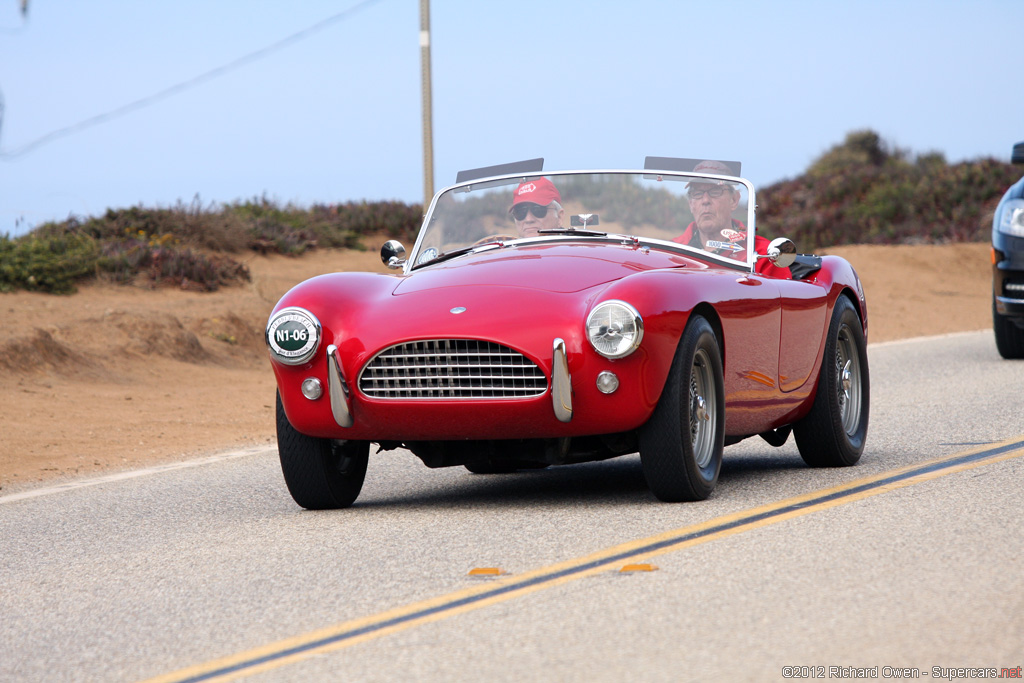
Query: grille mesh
point(451, 368)
point(1013, 288)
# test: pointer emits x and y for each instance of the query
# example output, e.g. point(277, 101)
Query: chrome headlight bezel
point(614, 329)
point(1011, 218)
point(299, 341)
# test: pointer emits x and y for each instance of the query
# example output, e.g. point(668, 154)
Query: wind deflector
point(688, 165)
point(527, 166)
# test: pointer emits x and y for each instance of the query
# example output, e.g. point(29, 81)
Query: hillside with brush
point(865, 191)
point(862, 191)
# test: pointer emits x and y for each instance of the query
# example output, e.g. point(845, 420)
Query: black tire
point(1009, 337)
point(833, 433)
point(321, 474)
point(681, 445)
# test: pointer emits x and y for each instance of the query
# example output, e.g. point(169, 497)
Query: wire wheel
point(848, 381)
point(703, 413)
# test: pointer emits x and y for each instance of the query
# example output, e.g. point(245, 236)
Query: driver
point(714, 229)
point(536, 205)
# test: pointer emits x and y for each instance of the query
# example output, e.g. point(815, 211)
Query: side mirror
point(1018, 154)
point(392, 254)
point(781, 252)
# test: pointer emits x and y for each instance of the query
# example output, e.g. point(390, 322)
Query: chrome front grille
point(451, 368)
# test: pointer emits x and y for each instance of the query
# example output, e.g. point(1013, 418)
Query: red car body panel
point(526, 295)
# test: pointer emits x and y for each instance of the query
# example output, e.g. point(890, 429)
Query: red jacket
point(738, 234)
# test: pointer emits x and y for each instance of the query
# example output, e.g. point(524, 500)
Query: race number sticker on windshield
point(724, 246)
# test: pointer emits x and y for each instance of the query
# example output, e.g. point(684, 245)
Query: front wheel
point(321, 474)
point(1009, 337)
point(681, 445)
point(833, 433)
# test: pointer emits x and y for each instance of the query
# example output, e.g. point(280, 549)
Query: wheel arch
point(857, 306)
point(708, 312)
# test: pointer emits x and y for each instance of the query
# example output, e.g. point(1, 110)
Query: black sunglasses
point(519, 211)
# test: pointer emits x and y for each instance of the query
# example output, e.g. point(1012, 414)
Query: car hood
point(553, 268)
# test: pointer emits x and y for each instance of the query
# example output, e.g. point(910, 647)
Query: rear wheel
point(833, 433)
point(321, 474)
point(1009, 337)
point(681, 445)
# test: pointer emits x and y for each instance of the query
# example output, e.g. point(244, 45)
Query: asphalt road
point(211, 572)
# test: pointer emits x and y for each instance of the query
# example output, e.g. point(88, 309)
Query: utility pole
point(428, 132)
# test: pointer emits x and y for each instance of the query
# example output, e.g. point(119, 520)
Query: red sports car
point(555, 318)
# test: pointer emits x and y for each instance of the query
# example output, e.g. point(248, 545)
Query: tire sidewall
point(1009, 337)
point(311, 466)
point(666, 449)
point(850, 446)
point(705, 339)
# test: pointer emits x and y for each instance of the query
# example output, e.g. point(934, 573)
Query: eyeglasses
point(714, 193)
point(519, 211)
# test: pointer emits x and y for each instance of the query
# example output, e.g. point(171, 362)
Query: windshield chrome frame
point(671, 176)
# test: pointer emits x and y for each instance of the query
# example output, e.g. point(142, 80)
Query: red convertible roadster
point(555, 318)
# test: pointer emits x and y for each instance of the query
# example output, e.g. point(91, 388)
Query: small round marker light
point(312, 389)
point(607, 382)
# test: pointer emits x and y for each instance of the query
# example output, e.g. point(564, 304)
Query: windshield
point(706, 214)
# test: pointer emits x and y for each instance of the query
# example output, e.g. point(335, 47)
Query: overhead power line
point(182, 86)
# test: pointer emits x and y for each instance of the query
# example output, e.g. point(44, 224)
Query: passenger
point(713, 229)
point(536, 205)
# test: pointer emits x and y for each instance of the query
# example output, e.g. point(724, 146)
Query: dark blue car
point(1008, 267)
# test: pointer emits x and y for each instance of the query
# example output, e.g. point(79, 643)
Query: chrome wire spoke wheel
point(703, 417)
point(848, 381)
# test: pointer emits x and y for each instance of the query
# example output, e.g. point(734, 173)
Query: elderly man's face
point(712, 214)
point(531, 223)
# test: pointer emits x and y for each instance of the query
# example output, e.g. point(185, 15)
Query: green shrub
point(127, 261)
point(864, 191)
point(46, 263)
point(189, 245)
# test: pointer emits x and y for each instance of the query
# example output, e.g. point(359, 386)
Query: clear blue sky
point(336, 115)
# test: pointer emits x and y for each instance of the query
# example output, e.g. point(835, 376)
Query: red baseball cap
point(539, 191)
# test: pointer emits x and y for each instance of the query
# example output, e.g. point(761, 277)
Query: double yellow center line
point(350, 633)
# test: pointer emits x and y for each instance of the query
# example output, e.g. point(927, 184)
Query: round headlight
point(293, 335)
point(614, 329)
